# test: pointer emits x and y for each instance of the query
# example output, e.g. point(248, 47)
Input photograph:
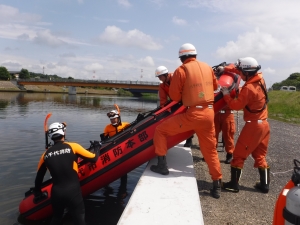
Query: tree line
point(25, 74)
point(292, 80)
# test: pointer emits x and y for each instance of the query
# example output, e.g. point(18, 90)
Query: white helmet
point(113, 114)
point(247, 64)
point(161, 70)
point(187, 49)
point(56, 130)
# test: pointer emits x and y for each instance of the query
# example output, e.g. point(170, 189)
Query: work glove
point(219, 71)
point(103, 137)
point(37, 192)
point(96, 145)
point(225, 91)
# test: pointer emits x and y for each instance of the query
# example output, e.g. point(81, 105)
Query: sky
point(129, 39)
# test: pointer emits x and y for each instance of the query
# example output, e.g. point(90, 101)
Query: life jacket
point(111, 130)
point(262, 84)
point(198, 88)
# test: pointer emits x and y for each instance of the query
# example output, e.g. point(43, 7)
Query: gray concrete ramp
point(171, 199)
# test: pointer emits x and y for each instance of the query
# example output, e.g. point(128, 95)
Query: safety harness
point(263, 87)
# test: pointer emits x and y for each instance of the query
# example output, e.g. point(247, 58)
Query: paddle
point(46, 129)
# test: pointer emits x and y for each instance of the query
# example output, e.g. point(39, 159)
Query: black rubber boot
point(215, 191)
point(161, 166)
point(263, 185)
point(233, 185)
point(188, 142)
point(228, 158)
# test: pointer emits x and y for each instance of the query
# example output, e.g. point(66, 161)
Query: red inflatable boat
point(122, 153)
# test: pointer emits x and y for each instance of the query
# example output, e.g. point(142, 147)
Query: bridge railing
point(150, 83)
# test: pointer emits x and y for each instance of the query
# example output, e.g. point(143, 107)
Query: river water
point(22, 141)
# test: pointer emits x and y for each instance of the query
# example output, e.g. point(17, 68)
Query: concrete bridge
point(135, 87)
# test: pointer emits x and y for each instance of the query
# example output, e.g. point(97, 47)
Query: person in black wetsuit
point(61, 161)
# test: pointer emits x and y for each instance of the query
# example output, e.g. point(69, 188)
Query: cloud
point(147, 61)
point(11, 14)
point(13, 65)
point(94, 67)
point(177, 21)
point(51, 66)
point(132, 38)
point(159, 3)
point(257, 44)
point(68, 55)
point(23, 37)
point(46, 38)
point(124, 3)
point(269, 70)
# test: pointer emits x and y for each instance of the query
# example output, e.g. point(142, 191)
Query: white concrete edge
point(171, 199)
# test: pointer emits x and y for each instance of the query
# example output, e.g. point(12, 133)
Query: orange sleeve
point(123, 126)
point(240, 102)
point(41, 161)
point(177, 83)
point(163, 95)
point(231, 68)
point(107, 130)
point(78, 149)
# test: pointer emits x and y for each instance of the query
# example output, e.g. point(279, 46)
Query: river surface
point(22, 142)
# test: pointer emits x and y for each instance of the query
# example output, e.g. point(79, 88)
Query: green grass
point(284, 106)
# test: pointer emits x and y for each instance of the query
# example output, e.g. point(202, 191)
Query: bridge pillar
point(72, 90)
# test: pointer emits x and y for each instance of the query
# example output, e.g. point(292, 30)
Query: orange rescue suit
point(255, 135)
point(224, 121)
point(193, 83)
point(164, 90)
point(111, 130)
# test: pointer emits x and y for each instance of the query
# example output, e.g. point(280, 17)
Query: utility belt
point(226, 111)
point(201, 106)
point(256, 121)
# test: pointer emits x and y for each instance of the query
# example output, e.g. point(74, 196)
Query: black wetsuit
point(61, 161)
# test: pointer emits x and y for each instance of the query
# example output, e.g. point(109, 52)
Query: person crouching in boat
point(115, 126)
point(162, 73)
point(193, 83)
point(61, 161)
point(255, 135)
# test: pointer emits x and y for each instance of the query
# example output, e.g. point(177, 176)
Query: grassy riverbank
point(284, 106)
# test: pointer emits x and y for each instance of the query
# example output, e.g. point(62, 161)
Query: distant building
point(15, 74)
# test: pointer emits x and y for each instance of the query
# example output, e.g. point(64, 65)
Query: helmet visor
point(112, 115)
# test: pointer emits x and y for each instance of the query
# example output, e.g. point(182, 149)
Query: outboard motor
point(291, 211)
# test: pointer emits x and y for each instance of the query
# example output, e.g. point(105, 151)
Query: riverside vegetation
point(284, 106)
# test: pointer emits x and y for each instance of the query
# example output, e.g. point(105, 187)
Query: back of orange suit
point(193, 83)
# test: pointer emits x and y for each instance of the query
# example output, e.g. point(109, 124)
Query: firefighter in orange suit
point(165, 77)
point(224, 121)
point(193, 83)
point(116, 125)
point(255, 135)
